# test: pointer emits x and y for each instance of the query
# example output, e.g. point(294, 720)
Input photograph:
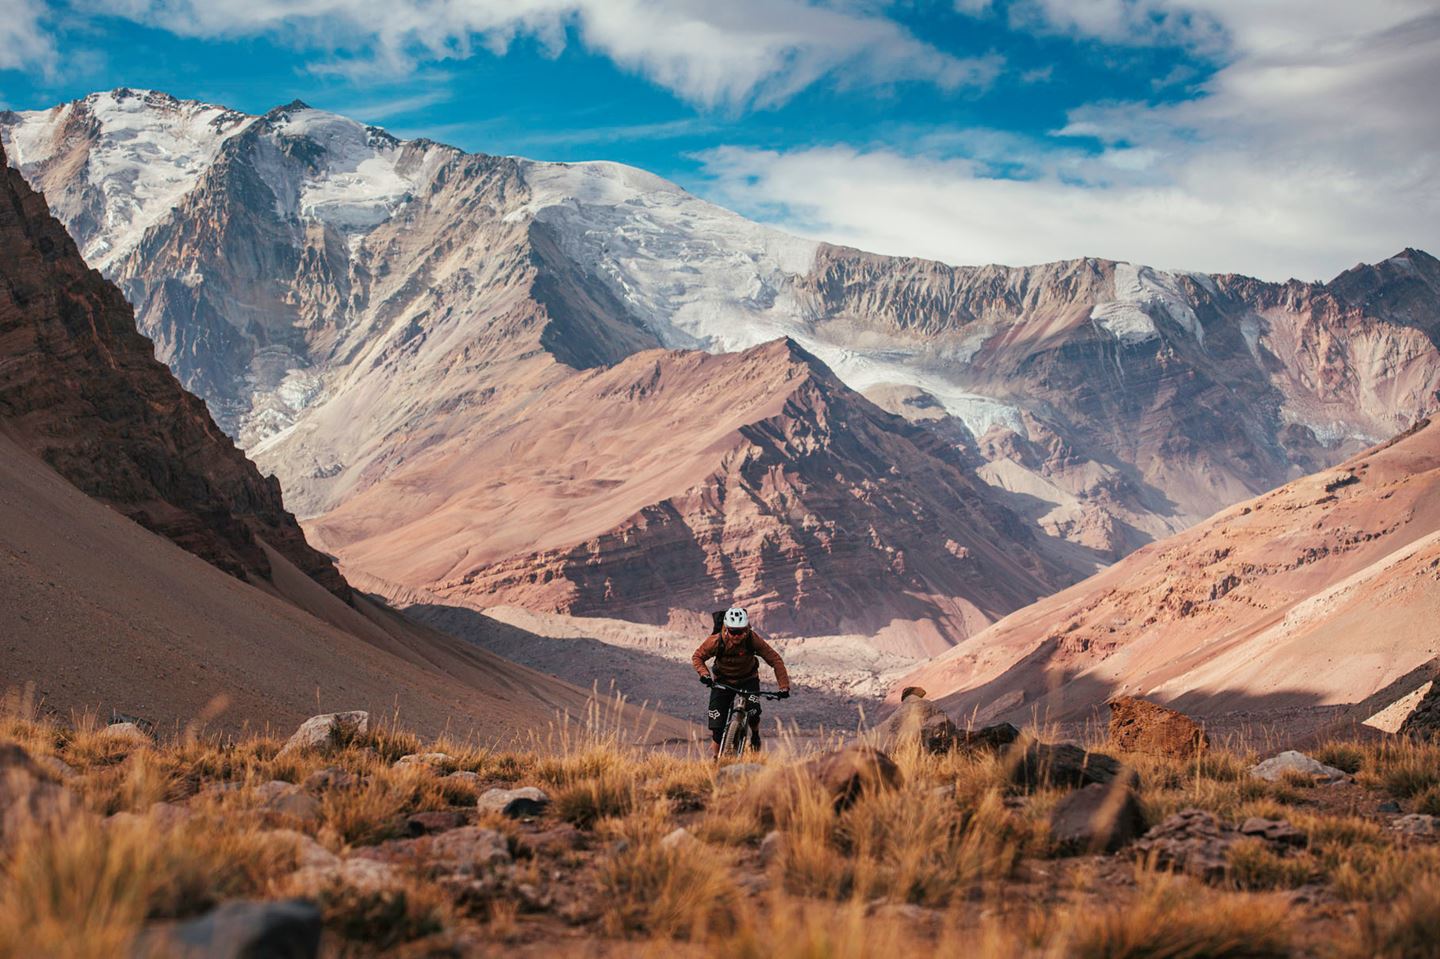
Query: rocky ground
point(352, 839)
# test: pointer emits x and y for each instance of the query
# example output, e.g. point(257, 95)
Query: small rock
point(241, 930)
point(433, 760)
point(1099, 818)
point(365, 875)
point(551, 842)
point(1192, 841)
point(309, 854)
point(771, 847)
point(463, 777)
point(1417, 824)
point(1065, 764)
point(1292, 763)
point(162, 816)
point(1273, 830)
point(467, 850)
point(909, 912)
point(1138, 725)
point(522, 803)
point(736, 772)
point(679, 838)
point(1389, 806)
point(423, 823)
point(328, 731)
point(288, 800)
point(330, 778)
point(128, 732)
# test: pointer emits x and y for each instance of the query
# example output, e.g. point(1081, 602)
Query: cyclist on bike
point(737, 650)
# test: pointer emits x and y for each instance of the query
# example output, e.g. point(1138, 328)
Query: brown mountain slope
point(80, 387)
point(99, 613)
point(1320, 593)
point(675, 481)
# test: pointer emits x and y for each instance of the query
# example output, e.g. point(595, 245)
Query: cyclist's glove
point(784, 694)
point(707, 680)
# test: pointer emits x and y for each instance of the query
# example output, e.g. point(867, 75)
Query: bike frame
point(736, 738)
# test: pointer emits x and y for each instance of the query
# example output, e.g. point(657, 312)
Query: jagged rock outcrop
point(1138, 725)
point(1424, 721)
point(80, 387)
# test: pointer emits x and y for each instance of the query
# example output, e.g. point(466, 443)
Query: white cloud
point(1316, 145)
point(23, 44)
point(731, 54)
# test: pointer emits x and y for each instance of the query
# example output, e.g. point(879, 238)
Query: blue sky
point(1208, 135)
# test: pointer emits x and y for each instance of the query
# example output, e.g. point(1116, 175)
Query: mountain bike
point(736, 738)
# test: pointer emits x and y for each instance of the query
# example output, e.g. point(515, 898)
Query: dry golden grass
point(967, 854)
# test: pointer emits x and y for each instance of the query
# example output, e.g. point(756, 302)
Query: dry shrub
point(685, 889)
point(1347, 757)
point(374, 809)
point(1407, 928)
point(1408, 769)
point(588, 801)
point(1174, 919)
point(78, 887)
point(1428, 802)
point(1255, 866)
point(384, 918)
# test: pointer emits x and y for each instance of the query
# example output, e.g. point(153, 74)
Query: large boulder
point(328, 731)
point(1291, 764)
point(917, 721)
point(1065, 764)
point(847, 773)
point(1138, 725)
point(1424, 720)
point(1097, 819)
point(241, 929)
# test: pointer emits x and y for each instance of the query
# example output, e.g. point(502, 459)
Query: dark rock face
point(993, 738)
point(1138, 725)
point(243, 930)
point(81, 387)
point(1064, 764)
point(1424, 721)
point(1097, 819)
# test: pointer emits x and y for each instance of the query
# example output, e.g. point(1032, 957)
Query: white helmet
point(735, 618)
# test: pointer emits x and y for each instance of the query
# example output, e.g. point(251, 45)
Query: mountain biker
point(736, 648)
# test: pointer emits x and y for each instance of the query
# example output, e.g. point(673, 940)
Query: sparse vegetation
point(952, 861)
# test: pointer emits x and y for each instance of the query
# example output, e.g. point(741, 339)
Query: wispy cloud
point(24, 43)
point(732, 55)
point(1314, 146)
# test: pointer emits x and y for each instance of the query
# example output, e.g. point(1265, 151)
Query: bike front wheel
point(733, 742)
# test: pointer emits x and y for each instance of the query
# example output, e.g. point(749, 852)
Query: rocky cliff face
point(80, 386)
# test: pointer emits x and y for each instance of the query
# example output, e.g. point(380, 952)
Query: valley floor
point(405, 848)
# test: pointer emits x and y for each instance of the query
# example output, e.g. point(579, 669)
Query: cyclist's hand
point(707, 680)
point(784, 694)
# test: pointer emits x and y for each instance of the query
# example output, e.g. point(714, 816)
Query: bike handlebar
point(748, 692)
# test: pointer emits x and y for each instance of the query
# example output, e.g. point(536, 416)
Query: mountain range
point(578, 388)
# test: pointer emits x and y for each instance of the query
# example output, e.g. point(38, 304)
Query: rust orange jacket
point(738, 658)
